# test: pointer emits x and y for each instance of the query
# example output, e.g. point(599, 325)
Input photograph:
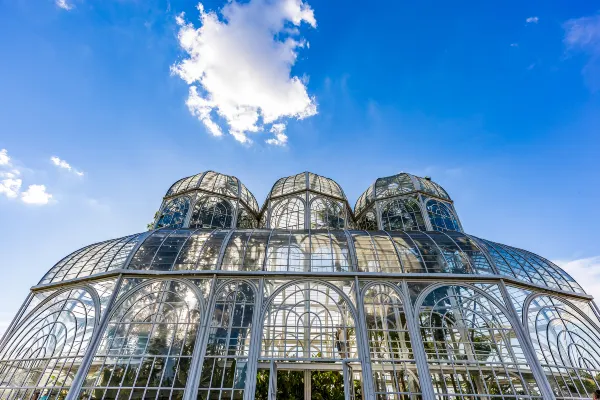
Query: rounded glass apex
point(215, 182)
point(306, 181)
point(398, 184)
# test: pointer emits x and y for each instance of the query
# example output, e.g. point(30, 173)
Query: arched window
point(174, 212)
point(45, 350)
point(393, 363)
point(402, 215)
point(325, 213)
point(471, 347)
point(441, 216)
point(308, 321)
point(368, 221)
point(212, 212)
point(146, 349)
point(567, 344)
point(245, 220)
point(288, 214)
point(226, 356)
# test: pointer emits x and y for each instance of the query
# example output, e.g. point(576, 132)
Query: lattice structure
point(303, 297)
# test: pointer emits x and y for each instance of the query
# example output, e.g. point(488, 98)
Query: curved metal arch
point(432, 287)
point(226, 281)
point(169, 201)
point(341, 293)
point(450, 209)
point(203, 197)
point(93, 293)
point(125, 296)
point(529, 299)
point(391, 285)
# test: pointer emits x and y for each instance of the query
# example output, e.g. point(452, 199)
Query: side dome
point(406, 202)
point(306, 201)
point(208, 200)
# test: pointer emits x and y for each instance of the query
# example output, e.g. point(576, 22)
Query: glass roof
point(396, 185)
point(215, 182)
point(312, 251)
point(298, 183)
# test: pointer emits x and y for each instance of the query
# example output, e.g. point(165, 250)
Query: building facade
point(303, 298)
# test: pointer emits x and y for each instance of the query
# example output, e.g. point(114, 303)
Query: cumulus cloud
point(586, 271)
point(238, 65)
point(532, 20)
point(36, 194)
point(10, 187)
point(64, 5)
point(4, 158)
point(65, 165)
point(583, 35)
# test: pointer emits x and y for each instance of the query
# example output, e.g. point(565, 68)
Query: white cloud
point(64, 5)
point(280, 138)
point(532, 20)
point(586, 271)
point(64, 165)
point(4, 158)
point(583, 34)
point(10, 187)
point(238, 65)
point(514, 45)
point(36, 194)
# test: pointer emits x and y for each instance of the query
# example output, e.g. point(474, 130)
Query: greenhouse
point(303, 298)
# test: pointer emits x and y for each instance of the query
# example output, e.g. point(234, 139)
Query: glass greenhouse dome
point(303, 298)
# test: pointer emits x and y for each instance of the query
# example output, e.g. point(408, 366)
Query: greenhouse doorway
point(308, 381)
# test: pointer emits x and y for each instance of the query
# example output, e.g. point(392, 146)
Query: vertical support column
point(191, 386)
point(307, 385)
point(255, 341)
point(86, 362)
point(423, 208)
point(362, 342)
point(417, 344)
point(527, 346)
point(306, 205)
point(272, 381)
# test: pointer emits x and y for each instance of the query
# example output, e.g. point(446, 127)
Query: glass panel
point(173, 213)
point(471, 347)
point(402, 214)
point(148, 342)
point(226, 356)
point(392, 360)
point(45, 350)
point(212, 212)
point(567, 344)
point(308, 320)
point(441, 216)
point(288, 214)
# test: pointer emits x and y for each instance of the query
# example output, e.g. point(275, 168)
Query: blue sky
point(500, 105)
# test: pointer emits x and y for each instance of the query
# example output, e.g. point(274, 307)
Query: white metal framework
point(209, 306)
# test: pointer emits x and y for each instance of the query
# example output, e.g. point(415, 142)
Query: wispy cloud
point(583, 35)
point(36, 194)
point(65, 165)
point(586, 271)
point(532, 20)
point(238, 65)
point(64, 5)
point(514, 45)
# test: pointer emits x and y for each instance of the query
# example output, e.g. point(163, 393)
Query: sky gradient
point(500, 105)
